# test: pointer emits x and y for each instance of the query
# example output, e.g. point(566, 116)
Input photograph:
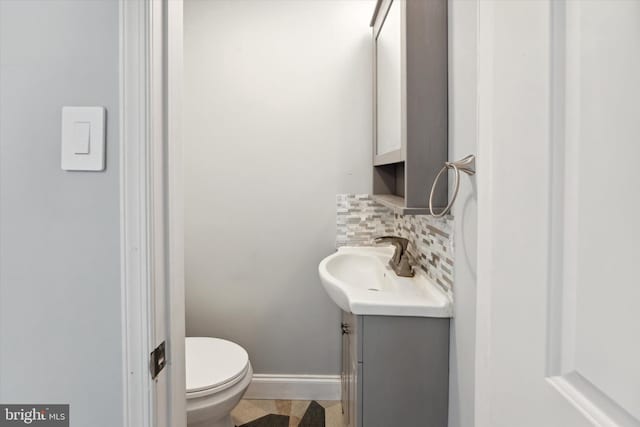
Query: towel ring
point(466, 165)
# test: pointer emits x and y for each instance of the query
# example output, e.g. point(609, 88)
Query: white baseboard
point(294, 387)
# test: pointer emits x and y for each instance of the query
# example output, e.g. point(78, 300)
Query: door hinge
point(158, 360)
point(345, 328)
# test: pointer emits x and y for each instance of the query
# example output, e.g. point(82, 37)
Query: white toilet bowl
point(218, 373)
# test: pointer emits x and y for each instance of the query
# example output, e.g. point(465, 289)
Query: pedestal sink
point(359, 281)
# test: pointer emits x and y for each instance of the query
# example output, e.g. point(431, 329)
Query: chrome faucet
point(399, 262)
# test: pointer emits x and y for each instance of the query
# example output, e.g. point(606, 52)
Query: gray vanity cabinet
point(395, 371)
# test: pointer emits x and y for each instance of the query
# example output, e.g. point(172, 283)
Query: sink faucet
point(399, 262)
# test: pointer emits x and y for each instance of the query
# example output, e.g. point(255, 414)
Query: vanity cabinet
point(395, 371)
point(410, 103)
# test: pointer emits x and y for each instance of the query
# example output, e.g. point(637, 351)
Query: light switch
point(83, 138)
point(81, 135)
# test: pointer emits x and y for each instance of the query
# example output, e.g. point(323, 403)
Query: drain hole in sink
point(374, 289)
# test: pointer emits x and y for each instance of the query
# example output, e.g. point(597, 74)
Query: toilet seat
point(212, 365)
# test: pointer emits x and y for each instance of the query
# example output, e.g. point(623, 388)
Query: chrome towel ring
point(466, 165)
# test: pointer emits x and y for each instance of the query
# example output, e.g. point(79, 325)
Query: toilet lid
point(211, 362)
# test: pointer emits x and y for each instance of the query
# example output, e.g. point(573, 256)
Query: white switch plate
point(83, 134)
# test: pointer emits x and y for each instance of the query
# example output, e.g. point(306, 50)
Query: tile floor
point(287, 413)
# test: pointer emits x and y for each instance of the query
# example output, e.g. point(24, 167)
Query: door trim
point(175, 215)
point(140, 173)
point(134, 212)
point(484, 132)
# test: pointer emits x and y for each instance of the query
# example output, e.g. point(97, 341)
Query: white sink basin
point(359, 281)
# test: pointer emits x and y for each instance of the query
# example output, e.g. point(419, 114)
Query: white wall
point(278, 121)
point(463, 141)
point(60, 324)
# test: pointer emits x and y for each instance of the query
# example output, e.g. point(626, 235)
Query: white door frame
point(175, 217)
point(152, 240)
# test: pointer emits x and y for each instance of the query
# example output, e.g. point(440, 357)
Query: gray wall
point(278, 121)
point(59, 231)
point(463, 141)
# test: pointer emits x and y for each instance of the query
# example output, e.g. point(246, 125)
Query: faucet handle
point(399, 262)
point(393, 239)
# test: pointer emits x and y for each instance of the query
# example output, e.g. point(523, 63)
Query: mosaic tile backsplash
point(360, 220)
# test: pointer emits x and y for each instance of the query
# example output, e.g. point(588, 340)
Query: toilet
point(218, 373)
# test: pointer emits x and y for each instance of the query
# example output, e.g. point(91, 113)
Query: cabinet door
point(354, 379)
point(345, 370)
point(351, 367)
point(389, 83)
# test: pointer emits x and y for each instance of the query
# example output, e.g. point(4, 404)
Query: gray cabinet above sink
point(410, 102)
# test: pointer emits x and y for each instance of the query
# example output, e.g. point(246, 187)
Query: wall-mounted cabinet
point(410, 102)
